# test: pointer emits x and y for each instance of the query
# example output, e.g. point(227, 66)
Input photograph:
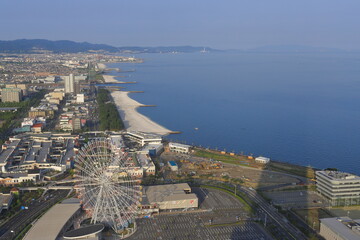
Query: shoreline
point(107, 78)
point(127, 108)
point(133, 120)
point(110, 79)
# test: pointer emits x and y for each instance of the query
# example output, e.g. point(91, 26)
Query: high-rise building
point(69, 83)
point(11, 95)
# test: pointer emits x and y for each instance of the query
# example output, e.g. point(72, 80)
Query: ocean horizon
point(300, 108)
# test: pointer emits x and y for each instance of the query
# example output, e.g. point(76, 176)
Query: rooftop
point(168, 192)
point(52, 222)
point(179, 145)
point(337, 175)
point(84, 232)
point(344, 226)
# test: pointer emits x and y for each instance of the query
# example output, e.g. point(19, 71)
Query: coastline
point(110, 79)
point(107, 78)
point(133, 120)
point(127, 108)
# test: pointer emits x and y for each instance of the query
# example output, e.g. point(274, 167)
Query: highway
point(290, 230)
point(25, 217)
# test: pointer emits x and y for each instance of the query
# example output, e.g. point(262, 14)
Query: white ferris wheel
point(108, 193)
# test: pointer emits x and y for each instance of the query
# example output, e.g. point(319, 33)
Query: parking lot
point(216, 199)
point(191, 226)
point(297, 199)
point(221, 216)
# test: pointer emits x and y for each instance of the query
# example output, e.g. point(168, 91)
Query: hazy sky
point(220, 24)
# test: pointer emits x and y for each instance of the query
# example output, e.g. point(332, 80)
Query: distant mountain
point(294, 48)
point(41, 45)
point(170, 49)
point(36, 45)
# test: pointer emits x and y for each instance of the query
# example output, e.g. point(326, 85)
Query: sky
point(226, 24)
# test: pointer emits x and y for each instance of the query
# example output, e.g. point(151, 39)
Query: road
point(290, 230)
point(25, 217)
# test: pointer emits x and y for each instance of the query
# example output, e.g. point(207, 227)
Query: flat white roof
point(172, 144)
point(339, 225)
point(337, 175)
point(51, 223)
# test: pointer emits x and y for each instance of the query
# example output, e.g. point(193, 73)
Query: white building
point(179, 148)
point(263, 160)
point(69, 84)
point(342, 228)
point(342, 189)
point(80, 98)
point(144, 138)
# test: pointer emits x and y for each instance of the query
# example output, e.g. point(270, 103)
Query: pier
point(147, 106)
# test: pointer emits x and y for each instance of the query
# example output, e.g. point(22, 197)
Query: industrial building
point(168, 197)
point(54, 223)
point(340, 228)
point(340, 188)
point(179, 148)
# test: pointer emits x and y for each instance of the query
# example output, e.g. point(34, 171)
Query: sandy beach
point(133, 120)
point(101, 66)
point(110, 79)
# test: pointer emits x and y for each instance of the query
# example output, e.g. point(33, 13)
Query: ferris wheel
point(108, 193)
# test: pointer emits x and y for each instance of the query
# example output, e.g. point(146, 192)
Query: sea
point(301, 108)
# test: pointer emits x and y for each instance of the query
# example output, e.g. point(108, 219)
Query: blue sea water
point(298, 108)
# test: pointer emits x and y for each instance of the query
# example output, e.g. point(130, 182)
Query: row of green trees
point(109, 117)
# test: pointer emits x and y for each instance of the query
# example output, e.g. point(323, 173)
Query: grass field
point(226, 158)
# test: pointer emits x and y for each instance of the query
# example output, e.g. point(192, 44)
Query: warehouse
point(169, 196)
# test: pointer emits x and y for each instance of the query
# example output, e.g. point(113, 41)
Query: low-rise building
point(167, 197)
point(80, 98)
point(37, 151)
point(340, 228)
point(152, 149)
point(11, 95)
point(5, 201)
point(16, 178)
point(340, 188)
point(173, 166)
point(179, 148)
point(262, 160)
point(37, 128)
point(144, 138)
